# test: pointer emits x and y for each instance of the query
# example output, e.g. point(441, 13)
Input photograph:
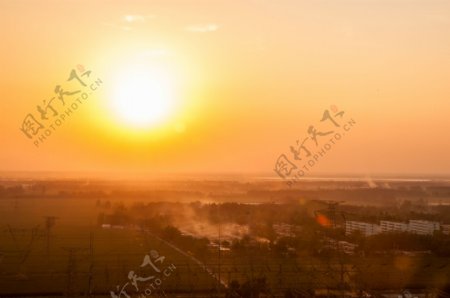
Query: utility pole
point(220, 243)
point(91, 266)
point(16, 204)
point(50, 222)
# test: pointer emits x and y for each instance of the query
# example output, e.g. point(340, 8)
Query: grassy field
point(84, 259)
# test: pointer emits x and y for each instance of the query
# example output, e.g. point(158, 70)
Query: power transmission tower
point(34, 235)
point(71, 270)
point(14, 232)
point(23, 250)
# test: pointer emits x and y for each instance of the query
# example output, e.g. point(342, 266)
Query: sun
point(143, 96)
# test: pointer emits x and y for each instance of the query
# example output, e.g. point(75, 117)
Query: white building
point(419, 227)
point(445, 229)
point(392, 226)
point(367, 229)
point(423, 227)
point(343, 246)
point(347, 247)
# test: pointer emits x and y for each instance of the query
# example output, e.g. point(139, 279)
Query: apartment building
point(423, 227)
point(367, 229)
point(392, 226)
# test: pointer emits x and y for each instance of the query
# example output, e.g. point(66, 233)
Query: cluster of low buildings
point(343, 246)
point(286, 230)
point(419, 227)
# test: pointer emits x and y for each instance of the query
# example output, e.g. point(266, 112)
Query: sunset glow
point(225, 148)
point(143, 96)
point(227, 86)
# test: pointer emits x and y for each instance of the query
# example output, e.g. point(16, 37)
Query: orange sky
point(249, 78)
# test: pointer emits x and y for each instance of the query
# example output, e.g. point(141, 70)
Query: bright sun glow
point(143, 96)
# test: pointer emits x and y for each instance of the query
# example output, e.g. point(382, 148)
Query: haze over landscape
point(228, 149)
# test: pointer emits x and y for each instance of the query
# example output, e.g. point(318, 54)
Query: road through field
point(193, 259)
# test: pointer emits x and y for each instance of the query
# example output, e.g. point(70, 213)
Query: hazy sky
point(244, 79)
